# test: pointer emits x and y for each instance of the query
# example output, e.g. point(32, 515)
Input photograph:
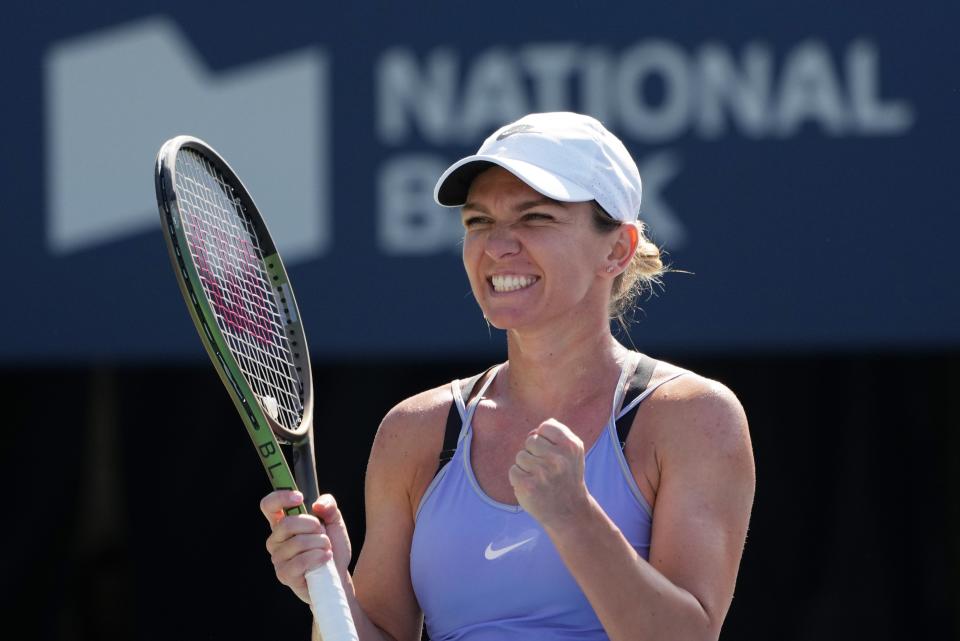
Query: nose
point(502, 243)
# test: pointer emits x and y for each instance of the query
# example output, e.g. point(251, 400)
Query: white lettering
point(810, 91)
point(744, 93)
point(551, 67)
point(406, 93)
point(596, 85)
point(494, 94)
point(647, 122)
point(665, 226)
point(872, 116)
point(653, 91)
point(409, 222)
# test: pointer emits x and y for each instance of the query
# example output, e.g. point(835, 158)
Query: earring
point(610, 269)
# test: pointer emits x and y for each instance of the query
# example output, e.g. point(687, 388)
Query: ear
point(624, 247)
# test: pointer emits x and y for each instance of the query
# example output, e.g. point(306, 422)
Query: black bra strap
point(636, 386)
point(452, 431)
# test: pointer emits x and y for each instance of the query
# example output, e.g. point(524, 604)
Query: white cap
point(565, 156)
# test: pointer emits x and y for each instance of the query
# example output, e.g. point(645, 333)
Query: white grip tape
point(329, 603)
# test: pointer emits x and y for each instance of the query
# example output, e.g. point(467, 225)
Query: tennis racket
point(241, 302)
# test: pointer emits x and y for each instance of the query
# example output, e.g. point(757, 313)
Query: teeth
point(509, 283)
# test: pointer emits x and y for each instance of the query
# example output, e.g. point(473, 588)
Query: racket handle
point(329, 603)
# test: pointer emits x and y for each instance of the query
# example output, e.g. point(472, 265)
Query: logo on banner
point(113, 97)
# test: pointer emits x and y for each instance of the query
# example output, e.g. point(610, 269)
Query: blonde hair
point(642, 275)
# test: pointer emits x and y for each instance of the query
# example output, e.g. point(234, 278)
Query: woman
point(541, 523)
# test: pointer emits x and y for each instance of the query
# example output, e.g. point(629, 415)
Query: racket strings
point(225, 249)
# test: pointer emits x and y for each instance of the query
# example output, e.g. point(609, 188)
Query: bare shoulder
point(412, 420)
point(407, 443)
point(692, 415)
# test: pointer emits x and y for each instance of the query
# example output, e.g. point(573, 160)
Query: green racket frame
point(266, 433)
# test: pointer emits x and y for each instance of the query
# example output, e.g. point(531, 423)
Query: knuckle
point(304, 543)
point(308, 543)
point(313, 559)
point(270, 505)
point(297, 524)
point(324, 542)
point(304, 524)
point(329, 500)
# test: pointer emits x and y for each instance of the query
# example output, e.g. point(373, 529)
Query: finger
point(325, 508)
point(292, 572)
point(290, 529)
point(299, 524)
point(291, 526)
point(538, 445)
point(298, 545)
point(557, 433)
point(276, 502)
point(526, 462)
point(517, 476)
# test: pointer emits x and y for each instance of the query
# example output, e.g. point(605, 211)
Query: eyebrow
point(527, 204)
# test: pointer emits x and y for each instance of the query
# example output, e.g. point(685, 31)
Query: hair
point(642, 276)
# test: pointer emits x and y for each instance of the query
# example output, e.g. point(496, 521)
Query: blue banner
point(796, 165)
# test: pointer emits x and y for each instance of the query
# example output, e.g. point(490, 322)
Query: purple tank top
point(484, 570)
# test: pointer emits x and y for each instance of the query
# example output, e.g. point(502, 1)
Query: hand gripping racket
point(240, 299)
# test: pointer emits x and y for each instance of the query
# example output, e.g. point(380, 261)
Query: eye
point(536, 216)
point(475, 221)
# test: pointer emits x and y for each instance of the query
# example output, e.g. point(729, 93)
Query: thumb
point(325, 508)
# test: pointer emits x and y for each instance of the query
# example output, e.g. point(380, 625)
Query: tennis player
point(588, 491)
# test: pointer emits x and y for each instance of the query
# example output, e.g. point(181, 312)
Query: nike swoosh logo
point(519, 129)
point(490, 554)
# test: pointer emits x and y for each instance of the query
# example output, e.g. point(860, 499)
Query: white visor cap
point(565, 156)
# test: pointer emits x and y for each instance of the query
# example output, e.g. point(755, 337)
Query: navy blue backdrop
point(797, 160)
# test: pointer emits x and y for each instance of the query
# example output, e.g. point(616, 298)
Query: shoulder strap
point(452, 431)
point(636, 386)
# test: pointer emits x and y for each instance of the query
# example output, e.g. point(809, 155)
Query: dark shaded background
point(854, 532)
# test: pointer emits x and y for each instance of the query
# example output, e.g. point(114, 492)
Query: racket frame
point(266, 433)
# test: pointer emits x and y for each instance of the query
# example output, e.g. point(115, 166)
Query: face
point(532, 260)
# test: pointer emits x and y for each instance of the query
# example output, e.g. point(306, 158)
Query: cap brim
point(451, 190)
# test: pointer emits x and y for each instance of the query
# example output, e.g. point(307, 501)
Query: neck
point(558, 370)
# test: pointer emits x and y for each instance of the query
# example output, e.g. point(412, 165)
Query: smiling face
point(532, 260)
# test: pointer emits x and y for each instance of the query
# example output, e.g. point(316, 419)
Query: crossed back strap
point(636, 386)
point(452, 432)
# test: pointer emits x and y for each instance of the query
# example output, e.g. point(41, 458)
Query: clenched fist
point(547, 475)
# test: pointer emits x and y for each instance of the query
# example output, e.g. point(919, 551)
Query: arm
point(702, 510)
point(400, 467)
point(402, 462)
